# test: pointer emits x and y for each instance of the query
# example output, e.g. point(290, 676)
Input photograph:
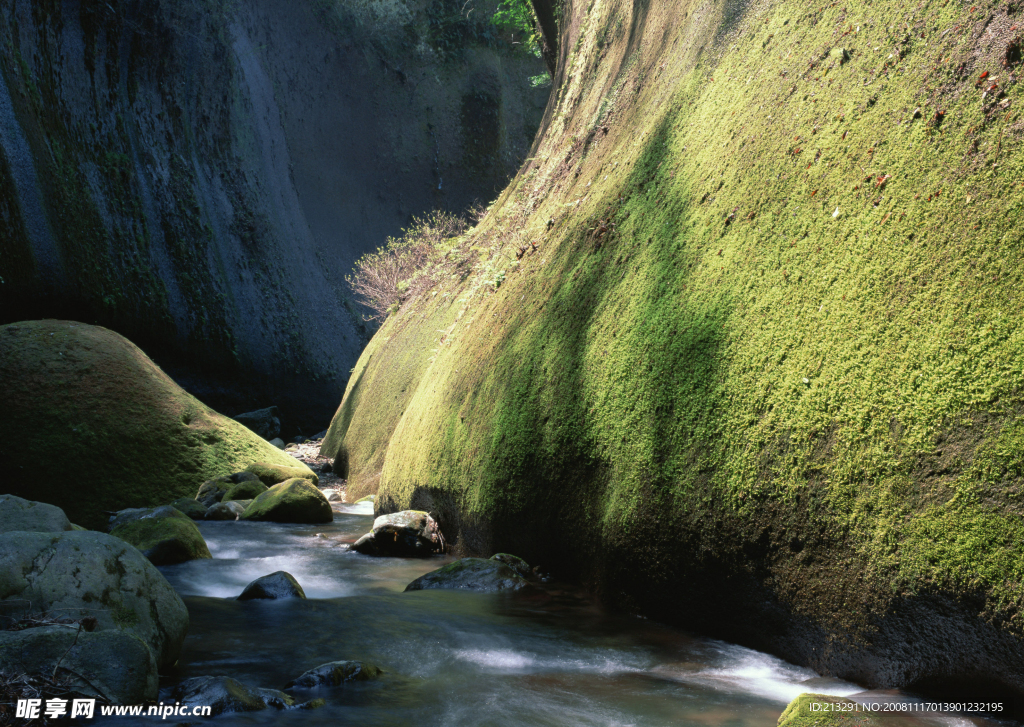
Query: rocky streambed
point(328, 635)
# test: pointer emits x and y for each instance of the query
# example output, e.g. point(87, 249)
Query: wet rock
point(271, 474)
point(131, 514)
point(264, 422)
point(275, 585)
point(410, 533)
point(193, 508)
point(244, 491)
point(19, 514)
point(214, 490)
point(225, 511)
point(514, 562)
point(164, 539)
point(109, 663)
point(89, 574)
point(334, 674)
point(225, 695)
point(471, 574)
point(293, 501)
point(366, 545)
point(332, 495)
point(799, 713)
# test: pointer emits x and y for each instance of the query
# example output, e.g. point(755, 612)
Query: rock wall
point(200, 175)
point(752, 362)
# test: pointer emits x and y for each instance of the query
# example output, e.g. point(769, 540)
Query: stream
point(453, 657)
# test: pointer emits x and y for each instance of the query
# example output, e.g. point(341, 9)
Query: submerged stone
point(20, 514)
point(471, 574)
point(292, 501)
point(276, 585)
point(335, 674)
point(225, 695)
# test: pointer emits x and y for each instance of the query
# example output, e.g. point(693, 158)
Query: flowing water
point(449, 657)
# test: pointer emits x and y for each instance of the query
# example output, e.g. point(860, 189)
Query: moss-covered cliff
point(200, 175)
point(762, 376)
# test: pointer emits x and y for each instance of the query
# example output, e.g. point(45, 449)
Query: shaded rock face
point(225, 510)
point(193, 508)
point(472, 574)
point(77, 389)
point(112, 664)
point(264, 422)
point(225, 695)
point(334, 674)
point(292, 501)
point(275, 585)
point(165, 540)
point(214, 490)
point(20, 514)
point(199, 184)
point(87, 574)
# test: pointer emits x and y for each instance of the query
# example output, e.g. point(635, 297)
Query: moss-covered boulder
point(514, 562)
point(244, 491)
point(91, 575)
point(214, 490)
point(192, 508)
point(112, 664)
point(135, 437)
point(271, 474)
point(334, 674)
point(231, 510)
point(164, 539)
point(275, 585)
point(823, 710)
point(225, 695)
point(131, 514)
point(472, 574)
point(292, 501)
point(19, 514)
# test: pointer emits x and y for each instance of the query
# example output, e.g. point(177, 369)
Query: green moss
point(244, 491)
point(822, 710)
point(165, 540)
point(775, 313)
point(93, 396)
point(292, 501)
point(272, 474)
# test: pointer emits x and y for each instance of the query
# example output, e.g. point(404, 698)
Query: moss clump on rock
point(271, 474)
point(136, 438)
point(244, 491)
point(292, 501)
point(823, 710)
point(192, 508)
point(165, 540)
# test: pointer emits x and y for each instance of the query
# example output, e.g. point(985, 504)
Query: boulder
point(292, 501)
point(225, 511)
point(165, 540)
point(334, 674)
point(244, 491)
point(410, 533)
point(112, 664)
point(277, 442)
point(89, 574)
point(273, 474)
point(19, 514)
point(264, 422)
point(471, 574)
point(275, 585)
point(332, 495)
point(225, 695)
point(214, 490)
point(193, 508)
point(130, 515)
point(805, 711)
point(514, 562)
point(135, 437)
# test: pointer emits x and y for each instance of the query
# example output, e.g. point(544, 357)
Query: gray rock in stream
point(19, 514)
point(276, 585)
point(231, 510)
point(334, 674)
point(471, 574)
point(410, 533)
point(88, 574)
point(225, 695)
point(112, 664)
